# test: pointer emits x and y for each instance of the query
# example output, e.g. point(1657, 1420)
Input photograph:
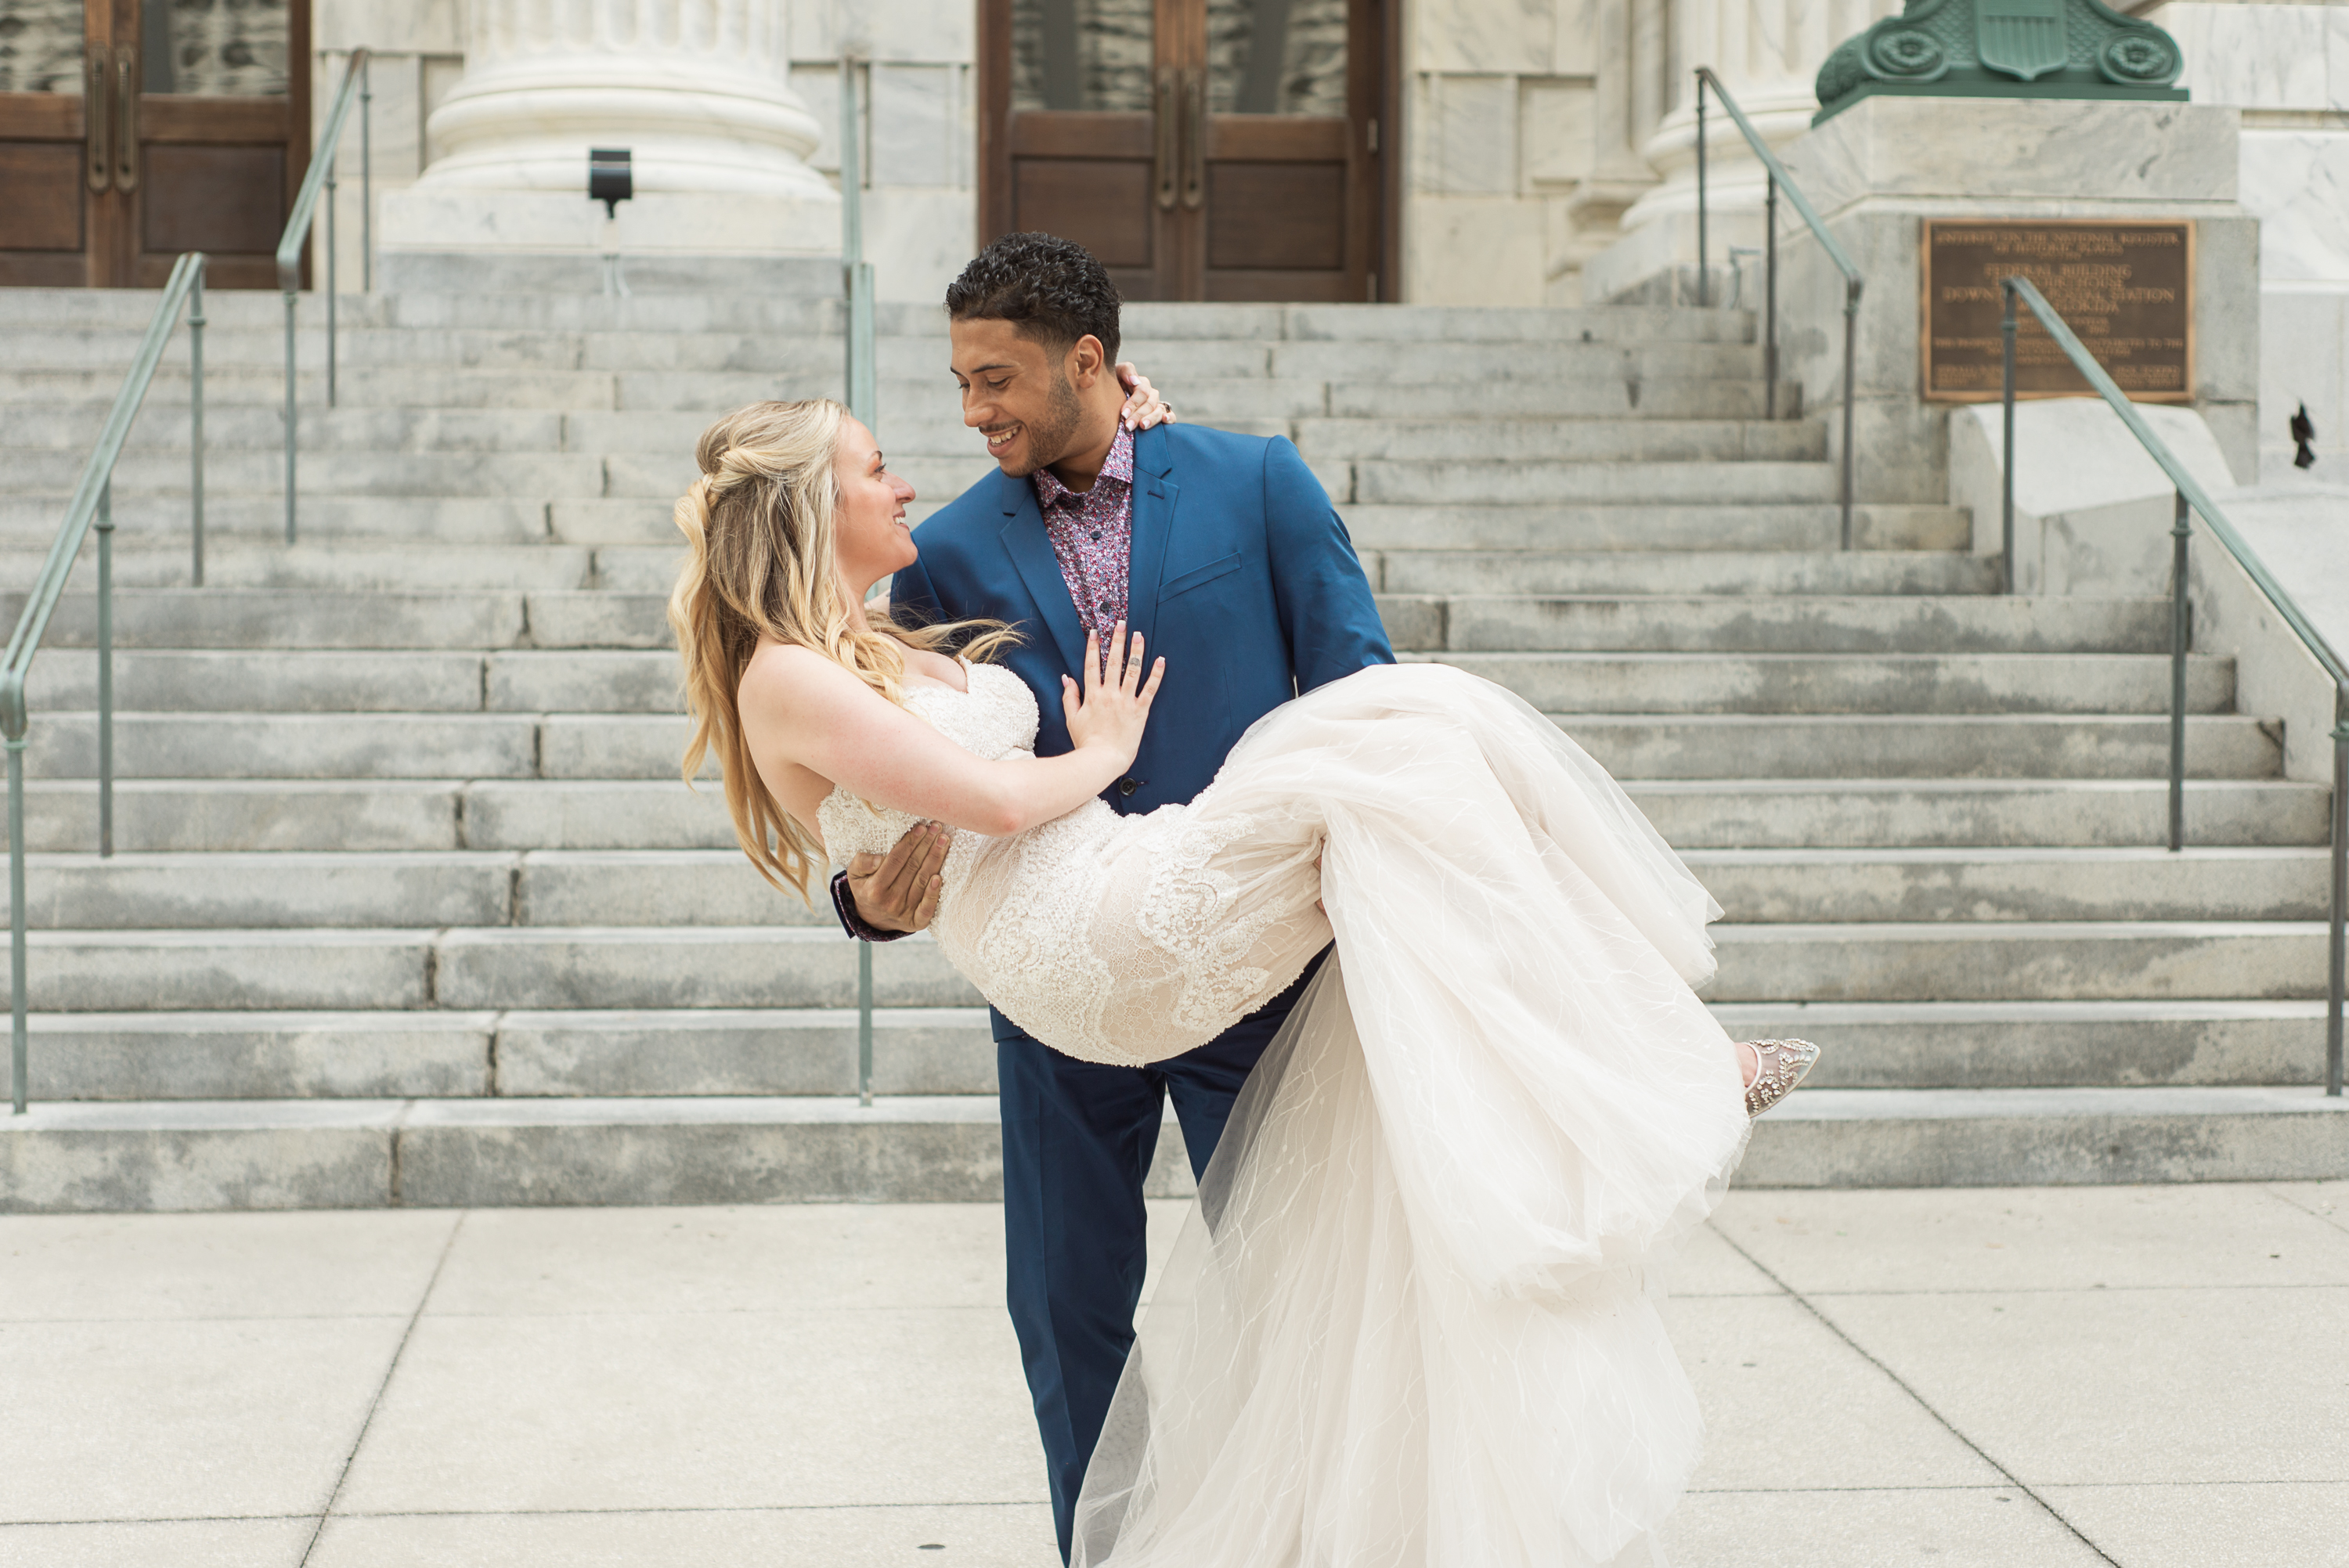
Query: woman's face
point(874, 537)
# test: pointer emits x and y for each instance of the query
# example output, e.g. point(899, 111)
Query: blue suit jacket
point(1242, 577)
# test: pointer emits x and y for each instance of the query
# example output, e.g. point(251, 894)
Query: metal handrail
point(321, 175)
point(1706, 76)
point(856, 283)
point(93, 506)
point(2190, 497)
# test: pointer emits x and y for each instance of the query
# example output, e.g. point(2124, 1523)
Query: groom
point(1223, 553)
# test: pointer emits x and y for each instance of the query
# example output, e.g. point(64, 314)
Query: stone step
point(170, 682)
point(1979, 884)
point(1822, 624)
point(1643, 527)
point(1516, 440)
point(537, 475)
point(219, 619)
point(1906, 683)
point(183, 682)
point(1957, 813)
point(584, 1053)
point(570, 1053)
point(2086, 961)
point(183, 1155)
point(151, 521)
point(1437, 482)
point(1403, 569)
point(231, 889)
point(358, 890)
point(476, 967)
point(129, 310)
point(352, 566)
point(1632, 747)
point(1916, 746)
point(223, 618)
point(183, 815)
point(2027, 1044)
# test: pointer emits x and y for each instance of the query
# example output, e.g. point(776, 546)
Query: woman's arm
point(798, 706)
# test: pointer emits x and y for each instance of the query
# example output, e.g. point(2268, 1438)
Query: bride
point(1410, 1320)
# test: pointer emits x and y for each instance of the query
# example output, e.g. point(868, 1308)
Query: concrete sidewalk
point(1982, 1378)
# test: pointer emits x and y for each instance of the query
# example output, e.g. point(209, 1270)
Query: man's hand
point(899, 892)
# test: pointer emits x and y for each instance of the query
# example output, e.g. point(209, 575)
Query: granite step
point(482, 1152)
point(1905, 682)
point(1758, 574)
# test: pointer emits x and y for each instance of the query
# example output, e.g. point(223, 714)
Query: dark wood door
point(1218, 150)
point(131, 131)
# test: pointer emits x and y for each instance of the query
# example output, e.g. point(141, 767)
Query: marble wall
point(2286, 67)
point(418, 48)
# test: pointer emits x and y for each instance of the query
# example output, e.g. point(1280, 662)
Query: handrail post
point(366, 171)
point(196, 418)
point(289, 416)
point(1704, 295)
point(16, 919)
point(2181, 627)
point(1850, 370)
point(1770, 302)
point(106, 668)
point(2006, 396)
point(332, 155)
point(856, 282)
point(2339, 942)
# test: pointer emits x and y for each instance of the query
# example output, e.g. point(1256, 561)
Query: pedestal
point(1877, 170)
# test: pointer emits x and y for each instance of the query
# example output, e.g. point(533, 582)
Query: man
point(1223, 553)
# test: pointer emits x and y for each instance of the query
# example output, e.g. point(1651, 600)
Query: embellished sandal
point(1779, 1066)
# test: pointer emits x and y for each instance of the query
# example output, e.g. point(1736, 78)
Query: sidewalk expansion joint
point(343, 1475)
point(1829, 1324)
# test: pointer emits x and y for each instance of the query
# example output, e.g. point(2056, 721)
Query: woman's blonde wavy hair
point(761, 522)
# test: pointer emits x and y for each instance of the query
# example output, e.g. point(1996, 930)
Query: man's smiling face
point(1016, 392)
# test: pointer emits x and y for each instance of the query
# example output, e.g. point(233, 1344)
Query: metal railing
point(856, 285)
point(2189, 499)
point(93, 506)
point(1851, 280)
point(297, 234)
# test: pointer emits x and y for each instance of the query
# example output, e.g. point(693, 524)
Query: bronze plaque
point(2125, 288)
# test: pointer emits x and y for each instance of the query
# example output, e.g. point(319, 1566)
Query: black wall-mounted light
point(611, 179)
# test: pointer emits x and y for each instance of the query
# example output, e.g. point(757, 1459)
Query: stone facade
point(1548, 145)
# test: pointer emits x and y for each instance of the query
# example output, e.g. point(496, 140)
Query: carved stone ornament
point(2003, 48)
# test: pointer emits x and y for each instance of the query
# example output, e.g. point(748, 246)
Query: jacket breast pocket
point(1199, 576)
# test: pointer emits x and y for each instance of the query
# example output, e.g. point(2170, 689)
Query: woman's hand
point(1144, 408)
point(1115, 703)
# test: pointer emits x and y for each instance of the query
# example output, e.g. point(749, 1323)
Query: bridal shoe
point(1779, 1066)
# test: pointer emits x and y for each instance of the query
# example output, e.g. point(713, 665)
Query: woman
point(1409, 1321)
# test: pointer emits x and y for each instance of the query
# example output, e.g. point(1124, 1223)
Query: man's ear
point(1087, 361)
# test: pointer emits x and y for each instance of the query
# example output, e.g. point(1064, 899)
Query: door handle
point(97, 119)
point(1194, 134)
point(126, 102)
point(1170, 133)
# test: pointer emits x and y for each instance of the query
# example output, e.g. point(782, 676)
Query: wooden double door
point(1217, 150)
point(131, 131)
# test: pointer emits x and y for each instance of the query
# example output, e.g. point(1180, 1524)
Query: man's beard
point(1048, 443)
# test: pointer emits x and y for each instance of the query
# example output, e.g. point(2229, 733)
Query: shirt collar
point(1118, 469)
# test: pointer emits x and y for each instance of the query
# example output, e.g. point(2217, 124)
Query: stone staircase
point(410, 906)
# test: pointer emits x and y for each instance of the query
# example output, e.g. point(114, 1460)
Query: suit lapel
point(1154, 494)
point(1031, 553)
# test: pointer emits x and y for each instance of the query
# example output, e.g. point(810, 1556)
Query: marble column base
point(439, 236)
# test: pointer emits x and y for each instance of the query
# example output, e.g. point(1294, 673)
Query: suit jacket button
point(1128, 785)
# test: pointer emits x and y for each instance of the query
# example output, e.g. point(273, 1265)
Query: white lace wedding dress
point(1410, 1320)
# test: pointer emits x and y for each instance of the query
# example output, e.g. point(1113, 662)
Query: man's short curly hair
point(1050, 289)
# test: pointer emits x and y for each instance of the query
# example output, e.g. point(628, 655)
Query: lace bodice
point(994, 718)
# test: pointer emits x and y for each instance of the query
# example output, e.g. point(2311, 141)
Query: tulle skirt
point(1411, 1319)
